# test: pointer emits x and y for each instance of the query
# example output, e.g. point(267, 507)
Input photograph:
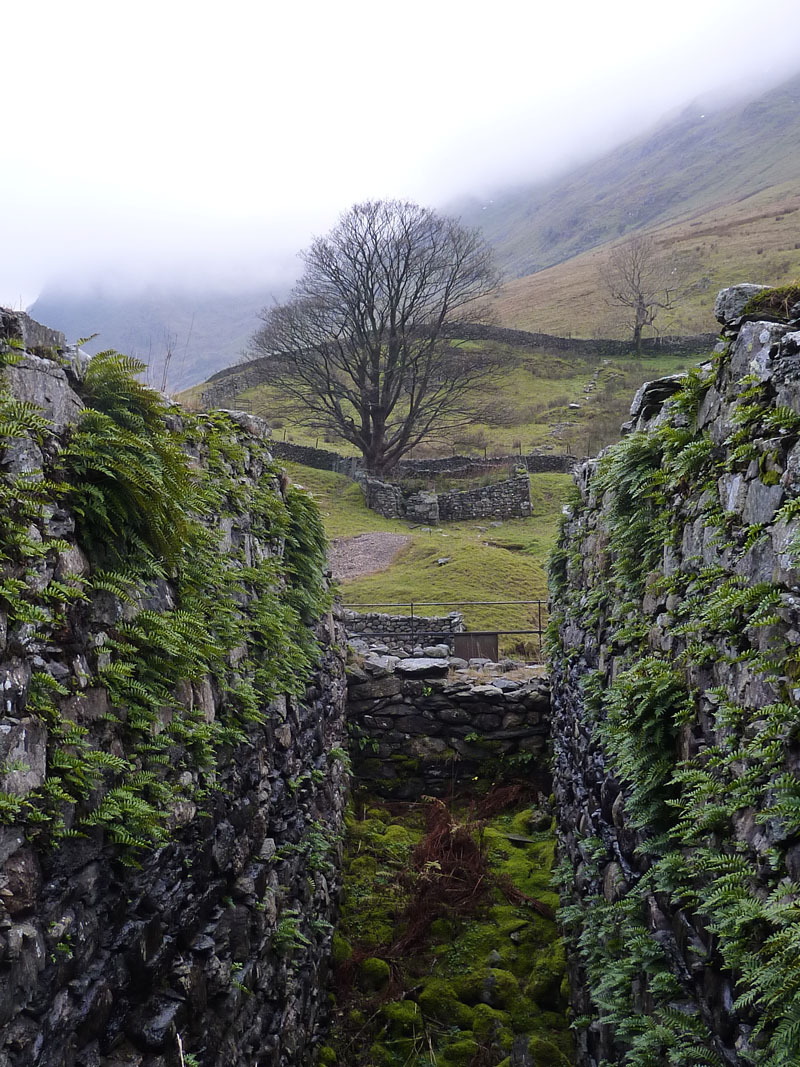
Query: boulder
point(731, 302)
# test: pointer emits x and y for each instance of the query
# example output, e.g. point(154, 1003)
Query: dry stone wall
point(469, 466)
point(675, 624)
point(502, 500)
point(425, 724)
point(219, 931)
point(473, 331)
point(319, 458)
point(401, 635)
point(508, 499)
point(226, 385)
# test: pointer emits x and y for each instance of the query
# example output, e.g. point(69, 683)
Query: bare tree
point(360, 342)
point(641, 282)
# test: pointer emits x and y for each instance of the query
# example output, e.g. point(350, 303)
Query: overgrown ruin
point(174, 776)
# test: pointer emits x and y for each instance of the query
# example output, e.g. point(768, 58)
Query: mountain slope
point(718, 190)
point(755, 239)
point(698, 161)
point(206, 330)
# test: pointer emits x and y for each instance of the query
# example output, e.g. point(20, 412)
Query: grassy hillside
point(525, 406)
point(681, 169)
point(755, 239)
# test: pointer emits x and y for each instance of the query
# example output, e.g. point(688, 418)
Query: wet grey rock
point(650, 397)
point(730, 302)
point(18, 326)
point(436, 651)
point(755, 348)
point(43, 383)
point(22, 456)
point(487, 692)
point(762, 502)
point(423, 666)
point(252, 424)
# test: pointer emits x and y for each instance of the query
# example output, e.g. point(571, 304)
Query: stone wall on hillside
point(169, 861)
point(403, 634)
point(456, 466)
point(469, 466)
point(318, 458)
point(385, 498)
point(424, 725)
point(676, 619)
point(225, 386)
point(472, 331)
point(510, 498)
point(502, 500)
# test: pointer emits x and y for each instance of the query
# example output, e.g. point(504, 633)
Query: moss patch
point(776, 303)
point(479, 983)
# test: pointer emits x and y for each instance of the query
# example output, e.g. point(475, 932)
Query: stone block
point(43, 383)
point(23, 750)
point(423, 666)
point(389, 686)
point(731, 302)
point(18, 326)
point(762, 502)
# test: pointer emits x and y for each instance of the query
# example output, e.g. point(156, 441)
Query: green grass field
point(524, 406)
point(486, 562)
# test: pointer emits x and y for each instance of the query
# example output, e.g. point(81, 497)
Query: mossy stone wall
point(172, 774)
point(417, 731)
point(675, 633)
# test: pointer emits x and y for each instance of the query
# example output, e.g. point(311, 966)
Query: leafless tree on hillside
point(641, 282)
point(360, 345)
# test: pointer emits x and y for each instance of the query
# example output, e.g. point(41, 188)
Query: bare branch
point(638, 280)
point(359, 343)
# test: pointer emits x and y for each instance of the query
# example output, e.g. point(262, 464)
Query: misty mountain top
point(717, 188)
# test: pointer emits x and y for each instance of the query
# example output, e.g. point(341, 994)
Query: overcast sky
point(187, 142)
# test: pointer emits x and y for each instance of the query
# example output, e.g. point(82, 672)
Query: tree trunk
point(637, 338)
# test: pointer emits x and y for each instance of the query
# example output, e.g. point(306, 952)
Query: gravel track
point(353, 557)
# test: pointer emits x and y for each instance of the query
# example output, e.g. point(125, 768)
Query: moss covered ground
point(422, 983)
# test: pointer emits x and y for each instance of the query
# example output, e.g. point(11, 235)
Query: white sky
point(190, 142)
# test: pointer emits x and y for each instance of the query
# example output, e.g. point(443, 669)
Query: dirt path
point(353, 557)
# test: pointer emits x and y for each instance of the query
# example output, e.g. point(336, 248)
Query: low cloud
point(209, 151)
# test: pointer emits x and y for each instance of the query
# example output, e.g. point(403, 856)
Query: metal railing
point(415, 632)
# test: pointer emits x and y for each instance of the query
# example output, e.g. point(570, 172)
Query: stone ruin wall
point(502, 500)
point(319, 458)
point(676, 615)
point(402, 635)
point(507, 499)
point(423, 726)
point(221, 935)
point(456, 466)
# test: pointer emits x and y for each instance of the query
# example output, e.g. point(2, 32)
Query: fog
point(185, 144)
